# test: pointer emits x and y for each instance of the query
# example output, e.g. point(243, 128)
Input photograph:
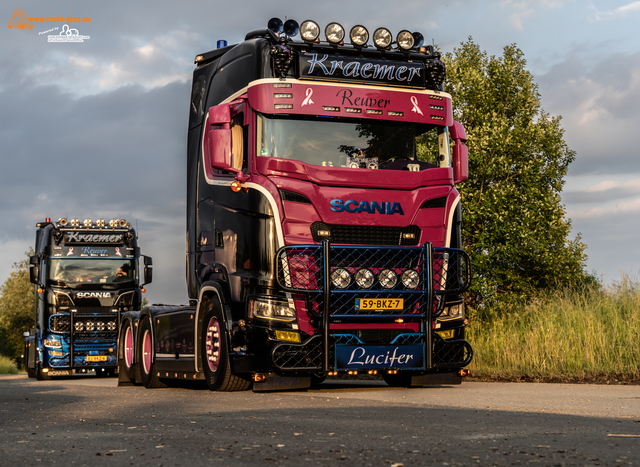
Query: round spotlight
point(340, 278)
point(113, 223)
point(334, 33)
point(111, 325)
point(410, 279)
point(382, 38)
point(418, 40)
point(275, 25)
point(122, 222)
point(90, 326)
point(309, 31)
point(364, 278)
point(404, 39)
point(359, 36)
point(87, 223)
point(291, 27)
point(63, 221)
point(79, 326)
point(100, 223)
point(75, 223)
point(100, 326)
point(387, 278)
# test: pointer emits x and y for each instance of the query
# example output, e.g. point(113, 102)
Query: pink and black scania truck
point(323, 220)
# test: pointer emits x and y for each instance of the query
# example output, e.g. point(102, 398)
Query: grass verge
point(590, 335)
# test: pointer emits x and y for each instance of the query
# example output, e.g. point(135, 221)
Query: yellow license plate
point(448, 334)
point(379, 304)
point(97, 358)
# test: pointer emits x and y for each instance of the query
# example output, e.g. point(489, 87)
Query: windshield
point(93, 271)
point(354, 143)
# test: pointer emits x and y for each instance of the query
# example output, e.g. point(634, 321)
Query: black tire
point(31, 372)
point(214, 351)
point(128, 352)
point(317, 379)
point(399, 380)
point(148, 373)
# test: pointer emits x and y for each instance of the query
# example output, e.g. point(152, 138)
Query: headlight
point(271, 309)
point(55, 353)
point(410, 279)
point(340, 278)
point(309, 31)
point(52, 343)
point(334, 33)
point(64, 300)
point(405, 40)
point(364, 278)
point(387, 278)
point(454, 311)
point(359, 35)
point(382, 38)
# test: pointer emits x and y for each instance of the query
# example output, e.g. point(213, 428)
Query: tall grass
point(7, 366)
point(588, 334)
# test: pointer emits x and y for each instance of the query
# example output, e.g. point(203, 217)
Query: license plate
point(448, 334)
point(379, 304)
point(362, 357)
point(97, 358)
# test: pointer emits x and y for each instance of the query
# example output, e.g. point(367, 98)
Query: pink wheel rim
point(212, 344)
point(128, 347)
point(146, 351)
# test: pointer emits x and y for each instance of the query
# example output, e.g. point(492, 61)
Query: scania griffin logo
point(371, 207)
point(93, 295)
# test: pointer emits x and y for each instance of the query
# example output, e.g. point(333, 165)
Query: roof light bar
point(405, 40)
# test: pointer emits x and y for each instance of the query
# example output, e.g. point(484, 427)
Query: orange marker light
point(236, 186)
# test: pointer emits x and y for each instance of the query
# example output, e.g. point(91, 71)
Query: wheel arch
point(208, 291)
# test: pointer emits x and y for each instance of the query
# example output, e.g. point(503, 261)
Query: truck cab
point(323, 219)
point(86, 276)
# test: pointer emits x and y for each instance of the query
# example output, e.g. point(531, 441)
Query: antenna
point(136, 228)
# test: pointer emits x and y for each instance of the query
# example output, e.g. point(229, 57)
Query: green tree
point(16, 309)
point(514, 224)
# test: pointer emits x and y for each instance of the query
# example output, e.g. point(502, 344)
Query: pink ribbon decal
point(70, 252)
point(118, 252)
point(307, 100)
point(416, 108)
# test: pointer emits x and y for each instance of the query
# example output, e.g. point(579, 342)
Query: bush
point(7, 366)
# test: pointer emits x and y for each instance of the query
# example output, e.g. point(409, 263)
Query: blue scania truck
point(85, 276)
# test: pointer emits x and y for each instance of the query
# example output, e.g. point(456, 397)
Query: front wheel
point(148, 373)
point(215, 353)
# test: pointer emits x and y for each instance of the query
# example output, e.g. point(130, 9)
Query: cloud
point(619, 12)
point(604, 192)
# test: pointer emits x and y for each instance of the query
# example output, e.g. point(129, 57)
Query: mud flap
point(274, 382)
point(435, 379)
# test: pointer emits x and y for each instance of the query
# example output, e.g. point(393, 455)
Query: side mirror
point(148, 270)
point(460, 156)
point(33, 269)
point(217, 141)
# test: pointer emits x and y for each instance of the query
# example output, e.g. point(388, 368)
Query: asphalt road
point(89, 421)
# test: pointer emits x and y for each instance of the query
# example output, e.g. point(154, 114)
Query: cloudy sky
point(98, 128)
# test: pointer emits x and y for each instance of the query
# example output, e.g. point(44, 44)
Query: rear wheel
point(215, 353)
point(31, 372)
point(145, 357)
point(126, 338)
